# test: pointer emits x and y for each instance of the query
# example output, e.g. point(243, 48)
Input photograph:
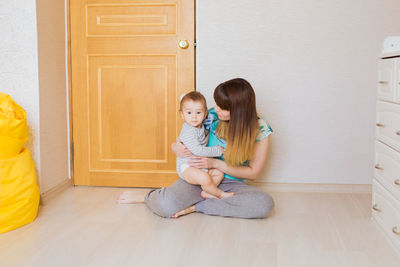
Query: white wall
point(32, 53)
point(19, 63)
point(313, 66)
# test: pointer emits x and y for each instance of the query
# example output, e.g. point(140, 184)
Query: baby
point(193, 110)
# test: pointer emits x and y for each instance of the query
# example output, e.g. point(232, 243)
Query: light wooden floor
point(84, 227)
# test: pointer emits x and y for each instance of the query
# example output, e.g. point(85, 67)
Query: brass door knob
point(183, 44)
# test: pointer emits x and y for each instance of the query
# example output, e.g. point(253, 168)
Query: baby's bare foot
point(130, 197)
point(226, 194)
point(206, 195)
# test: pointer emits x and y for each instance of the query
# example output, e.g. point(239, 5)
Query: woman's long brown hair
point(241, 130)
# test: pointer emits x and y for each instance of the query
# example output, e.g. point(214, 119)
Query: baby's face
point(193, 113)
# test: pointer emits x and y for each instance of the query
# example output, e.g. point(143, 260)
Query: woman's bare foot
point(130, 197)
point(184, 212)
point(226, 194)
point(206, 195)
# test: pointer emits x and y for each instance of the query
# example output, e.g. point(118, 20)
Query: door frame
point(69, 89)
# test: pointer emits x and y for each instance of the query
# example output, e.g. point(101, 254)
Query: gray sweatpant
point(248, 201)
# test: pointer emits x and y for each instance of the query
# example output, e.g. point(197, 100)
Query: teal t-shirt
point(211, 124)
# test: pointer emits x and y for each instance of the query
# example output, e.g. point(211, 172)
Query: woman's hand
point(180, 150)
point(203, 163)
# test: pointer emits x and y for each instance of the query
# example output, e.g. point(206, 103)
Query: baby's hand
point(222, 149)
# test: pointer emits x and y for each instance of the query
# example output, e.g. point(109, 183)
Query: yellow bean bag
point(19, 193)
point(13, 127)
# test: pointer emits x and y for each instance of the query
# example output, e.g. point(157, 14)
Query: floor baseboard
point(314, 188)
point(48, 195)
point(267, 186)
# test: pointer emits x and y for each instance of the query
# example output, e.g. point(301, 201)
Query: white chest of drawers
point(386, 184)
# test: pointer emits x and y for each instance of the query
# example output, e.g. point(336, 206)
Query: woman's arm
point(245, 172)
point(180, 150)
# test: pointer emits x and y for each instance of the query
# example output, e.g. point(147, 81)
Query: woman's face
point(223, 115)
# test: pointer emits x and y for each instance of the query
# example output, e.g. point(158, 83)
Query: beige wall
point(53, 98)
point(313, 66)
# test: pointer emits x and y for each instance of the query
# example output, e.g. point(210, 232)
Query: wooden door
point(127, 75)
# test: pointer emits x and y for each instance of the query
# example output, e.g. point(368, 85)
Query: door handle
point(375, 207)
point(378, 167)
point(395, 231)
point(183, 44)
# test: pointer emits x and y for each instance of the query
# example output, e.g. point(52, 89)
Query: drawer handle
point(378, 167)
point(383, 82)
point(395, 231)
point(375, 207)
point(380, 125)
point(397, 182)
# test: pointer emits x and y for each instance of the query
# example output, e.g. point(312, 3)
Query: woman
point(234, 125)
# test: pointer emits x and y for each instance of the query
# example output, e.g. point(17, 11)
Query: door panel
point(127, 75)
point(131, 19)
